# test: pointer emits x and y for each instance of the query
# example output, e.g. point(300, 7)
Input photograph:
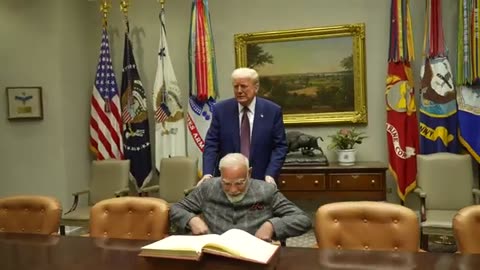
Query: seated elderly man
point(235, 201)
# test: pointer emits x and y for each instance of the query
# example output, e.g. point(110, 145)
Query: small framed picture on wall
point(24, 103)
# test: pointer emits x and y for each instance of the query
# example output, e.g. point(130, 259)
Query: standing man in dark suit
point(249, 125)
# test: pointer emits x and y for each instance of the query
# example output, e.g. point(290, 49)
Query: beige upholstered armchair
point(177, 175)
point(130, 218)
point(366, 225)
point(30, 214)
point(109, 179)
point(445, 185)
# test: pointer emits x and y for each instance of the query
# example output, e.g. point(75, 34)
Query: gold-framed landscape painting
point(317, 75)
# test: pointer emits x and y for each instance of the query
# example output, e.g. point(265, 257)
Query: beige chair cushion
point(176, 175)
point(30, 214)
point(130, 218)
point(439, 219)
point(466, 227)
point(366, 225)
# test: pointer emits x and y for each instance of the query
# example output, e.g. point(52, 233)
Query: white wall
point(32, 159)
point(54, 44)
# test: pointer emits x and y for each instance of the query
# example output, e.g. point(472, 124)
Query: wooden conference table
point(36, 252)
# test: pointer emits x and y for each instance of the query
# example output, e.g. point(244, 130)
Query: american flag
point(105, 117)
point(162, 113)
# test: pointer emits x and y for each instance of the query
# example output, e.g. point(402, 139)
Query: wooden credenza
point(362, 181)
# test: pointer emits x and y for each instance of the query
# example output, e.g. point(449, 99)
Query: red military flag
point(402, 129)
point(402, 125)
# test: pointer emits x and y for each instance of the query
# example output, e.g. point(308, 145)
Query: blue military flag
point(136, 135)
point(438, 106)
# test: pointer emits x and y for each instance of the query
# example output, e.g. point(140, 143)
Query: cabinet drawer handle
point(316, 182)
point(283, 182)
point(373, 181)
point(338, 182)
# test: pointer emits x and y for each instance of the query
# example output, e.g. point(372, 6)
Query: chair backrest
point(466, 228)
point(447, 179)
point(107, 177)
point(130, 218)
point(176, 175)
point(30, 214)
point(366, 225)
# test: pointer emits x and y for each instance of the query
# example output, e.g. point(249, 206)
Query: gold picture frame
point(317, 75)
point(24, 103)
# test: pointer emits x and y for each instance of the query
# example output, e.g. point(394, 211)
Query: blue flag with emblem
point(438, 105)
point(136, 135)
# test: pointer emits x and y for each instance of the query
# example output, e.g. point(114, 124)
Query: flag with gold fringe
point(468, 77)
point(438, 107)
point(401, 126)
point(203, 81)
point(167, 102)
point(105, 117)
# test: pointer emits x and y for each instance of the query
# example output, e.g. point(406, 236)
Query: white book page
point(182, 242)
point(246, 245)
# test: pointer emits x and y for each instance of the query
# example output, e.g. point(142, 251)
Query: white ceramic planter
point(346, 157)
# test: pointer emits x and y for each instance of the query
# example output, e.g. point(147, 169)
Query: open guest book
point(233, 243)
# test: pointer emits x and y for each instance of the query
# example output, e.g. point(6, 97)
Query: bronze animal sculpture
point(305, 143)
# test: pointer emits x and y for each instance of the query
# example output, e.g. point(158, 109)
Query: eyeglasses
point(237, 183)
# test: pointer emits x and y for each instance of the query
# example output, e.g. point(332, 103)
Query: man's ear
point(249, 172)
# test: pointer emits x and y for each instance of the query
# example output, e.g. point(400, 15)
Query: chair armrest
point(75, 199)
point(81, 192)
point(122, 192)
point(476, 195)
point(422, 194)
point(154, 188)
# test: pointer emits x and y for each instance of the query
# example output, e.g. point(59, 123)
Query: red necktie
point(245, 133)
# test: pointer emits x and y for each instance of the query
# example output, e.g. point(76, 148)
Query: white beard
point(235, 199)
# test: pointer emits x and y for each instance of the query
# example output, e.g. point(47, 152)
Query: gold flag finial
point(104, 7)
point(162, 3)
point(124, 7)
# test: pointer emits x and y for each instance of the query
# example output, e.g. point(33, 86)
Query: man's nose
point(233, 190)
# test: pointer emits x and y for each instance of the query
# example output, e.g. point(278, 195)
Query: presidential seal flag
point(401, 126)
point(438, 107)
point(136, 135)
point(105, 119)
point(167, 102)
point(203, 80)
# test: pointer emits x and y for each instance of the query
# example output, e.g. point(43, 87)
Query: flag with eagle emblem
point(136, 135)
